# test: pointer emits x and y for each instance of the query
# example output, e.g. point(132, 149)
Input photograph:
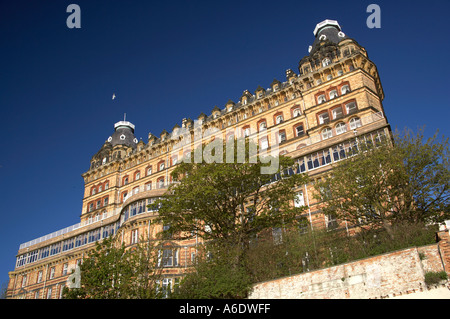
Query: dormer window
point(260, 95)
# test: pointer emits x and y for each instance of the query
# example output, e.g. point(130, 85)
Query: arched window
point(279, 119)
point(345, 89)
point(262, 125)
point(137, 175)
point(149, 170)
point(326, 133)
point(321, 99)
point(341, 128)
point(296, 112)
point(355, 123)
point(160, 182)
point(326, 62)
point(333, 94)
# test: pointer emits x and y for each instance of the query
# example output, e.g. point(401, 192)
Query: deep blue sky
point(168, 60)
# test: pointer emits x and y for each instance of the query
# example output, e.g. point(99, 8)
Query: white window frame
point(324, 117)
point(333, 94)
point(282, 137)
point(134, 236)
point(345, 89)
point(326, 62)
point(347, 107)
point(264, 143)
point(279, 119)
point(262, 125)
point(327, 133)
point(355, 122)
point(297, 131)
point(321, 99)
point(340, 128)
point(335, 114)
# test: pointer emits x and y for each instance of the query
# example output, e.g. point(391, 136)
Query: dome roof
point(327, 30)
point(123, 135)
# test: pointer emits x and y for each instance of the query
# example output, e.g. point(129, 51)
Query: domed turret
point(123, 135)
point(329, 31)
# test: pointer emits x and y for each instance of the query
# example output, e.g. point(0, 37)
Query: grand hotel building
point(321, 113)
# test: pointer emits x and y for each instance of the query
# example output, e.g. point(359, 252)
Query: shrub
point(435, 277)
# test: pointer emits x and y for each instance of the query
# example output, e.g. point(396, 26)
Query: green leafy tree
point(215, 275)
point(230, 201)
point(387, 183)
point(116, 272)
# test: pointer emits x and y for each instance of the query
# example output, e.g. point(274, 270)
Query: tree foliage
point(230, 202)
point(406, 180)
point(116, 272)
point(215, 275)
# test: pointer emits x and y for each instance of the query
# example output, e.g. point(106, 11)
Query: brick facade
point(117, 163)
